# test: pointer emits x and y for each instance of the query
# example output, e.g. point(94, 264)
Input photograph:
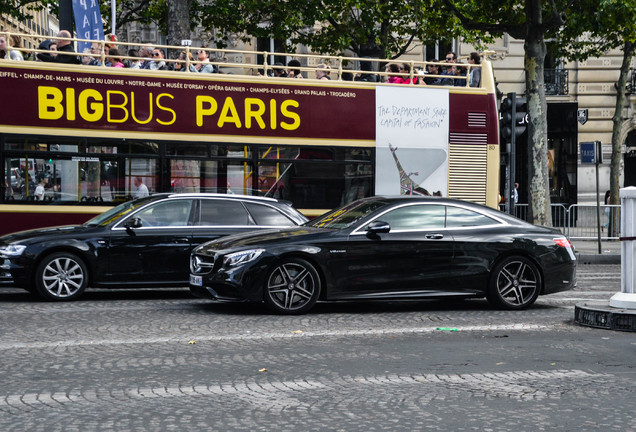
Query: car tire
point(61, 276)
point(292, 287)
point(515, 283)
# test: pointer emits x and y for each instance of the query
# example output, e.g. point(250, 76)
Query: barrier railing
point(579, 221)
point(236, 61)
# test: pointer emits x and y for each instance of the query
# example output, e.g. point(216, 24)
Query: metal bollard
point(626, 299)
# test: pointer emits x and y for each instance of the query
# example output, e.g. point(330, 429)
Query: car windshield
point(348, 215)
point(116, 213)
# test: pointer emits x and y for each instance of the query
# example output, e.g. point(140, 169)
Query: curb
point(602, 315)
point(598, 259)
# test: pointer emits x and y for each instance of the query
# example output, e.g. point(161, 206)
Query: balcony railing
point(556, 81)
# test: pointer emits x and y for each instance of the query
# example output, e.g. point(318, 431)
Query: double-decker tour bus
point(89, 135)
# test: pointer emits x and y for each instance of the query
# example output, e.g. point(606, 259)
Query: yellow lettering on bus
point(90, 112)
point(201, 111)
point(163, 108)
point(50, 103)
point(272, 113)
point(70, 104)
point(132, 109)
point(229, 107)
point(110, 105)
point(254, 114)
point(295, 124)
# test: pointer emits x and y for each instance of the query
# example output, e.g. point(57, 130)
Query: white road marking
point(271, 335)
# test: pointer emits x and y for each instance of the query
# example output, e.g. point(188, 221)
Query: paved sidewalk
point(587, 251)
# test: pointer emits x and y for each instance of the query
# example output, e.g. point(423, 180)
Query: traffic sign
point(591, 152)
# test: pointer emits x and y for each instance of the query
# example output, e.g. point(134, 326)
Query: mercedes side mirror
point(378, 227)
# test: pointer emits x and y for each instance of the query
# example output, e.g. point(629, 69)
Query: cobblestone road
point(163, 361)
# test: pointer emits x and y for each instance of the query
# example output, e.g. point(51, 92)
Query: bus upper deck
point(91, 131)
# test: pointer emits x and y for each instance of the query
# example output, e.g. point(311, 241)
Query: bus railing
point(579, 221)
point(234, 61)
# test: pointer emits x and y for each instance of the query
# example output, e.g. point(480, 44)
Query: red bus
point(86, 132)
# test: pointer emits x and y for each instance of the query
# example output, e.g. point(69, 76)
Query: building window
point(555, 75)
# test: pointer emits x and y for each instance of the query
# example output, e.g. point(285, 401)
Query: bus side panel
point(474, 147)
point(21, 217)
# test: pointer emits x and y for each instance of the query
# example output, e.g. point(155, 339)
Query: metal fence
point(579, 221)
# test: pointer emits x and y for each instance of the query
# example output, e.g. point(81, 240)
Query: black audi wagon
point(141, 243)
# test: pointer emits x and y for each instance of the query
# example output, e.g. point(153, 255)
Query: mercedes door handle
point(434, 236)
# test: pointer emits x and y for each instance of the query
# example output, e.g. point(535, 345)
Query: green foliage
point(375, 28)
point(609, 26)
point(13, 7)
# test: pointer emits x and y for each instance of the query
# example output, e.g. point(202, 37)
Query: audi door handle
point(434, 236)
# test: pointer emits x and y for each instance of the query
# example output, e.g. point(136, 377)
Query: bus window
point(185, 176)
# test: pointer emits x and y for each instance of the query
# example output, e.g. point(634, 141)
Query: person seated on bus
point(432, 69)
point(474, 79)
point(39, 190)
point(7, 50)
point(366, 76)
point(459, 71)
point(293, 72)
point(451, 58)
point(95, 49)
point(134, 63)
point(279, 71)
point(66, 53)
point(392, 69)
point(86, 59)
point(114, 59)
point(322, 72)
point(146, 52)
point(406, 68)
point(158, 62)
point(180, 64)
point(206, 66)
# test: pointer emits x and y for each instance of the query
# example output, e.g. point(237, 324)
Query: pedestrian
point(141, 189)
point(39, 190)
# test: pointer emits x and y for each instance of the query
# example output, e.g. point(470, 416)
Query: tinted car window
point(460, 217)
point(222, 212)
point(347, 215)
point(414, 217)
point(265, 215)
point(166, 213)
point(116, 213)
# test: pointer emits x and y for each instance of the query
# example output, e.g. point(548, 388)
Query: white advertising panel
point(412, 125)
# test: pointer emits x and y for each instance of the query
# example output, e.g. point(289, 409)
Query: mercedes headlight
point(242, 257)
point(12, 250)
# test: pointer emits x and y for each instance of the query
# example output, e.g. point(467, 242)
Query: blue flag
point(88, 22)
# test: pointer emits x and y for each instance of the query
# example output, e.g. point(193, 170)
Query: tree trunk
point(178, 23)
point(617, 120)
point(538, 184)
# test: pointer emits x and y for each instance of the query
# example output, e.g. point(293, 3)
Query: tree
point(369, 28)
point(178, 21)
point(14, 7)
point(612, 26)
point(531, 21)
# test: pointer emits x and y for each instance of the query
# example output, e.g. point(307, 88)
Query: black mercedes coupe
point(141, 243)
point(388, 248)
